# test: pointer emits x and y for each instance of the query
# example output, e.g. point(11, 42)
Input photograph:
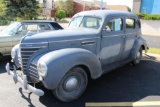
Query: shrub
point(66, 5)
point(60, 14)
point(148, 16)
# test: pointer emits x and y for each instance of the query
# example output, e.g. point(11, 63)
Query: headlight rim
point(42, 71)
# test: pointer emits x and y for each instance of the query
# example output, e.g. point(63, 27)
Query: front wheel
point(72, 85)
point(138, 57)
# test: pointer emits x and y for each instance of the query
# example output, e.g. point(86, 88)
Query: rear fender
point(138, 43)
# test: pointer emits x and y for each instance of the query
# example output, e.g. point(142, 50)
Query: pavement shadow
point(125, 84)
point(145, 56)
point(27, 98)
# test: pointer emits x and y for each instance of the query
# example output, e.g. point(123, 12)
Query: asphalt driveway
point(126, 84)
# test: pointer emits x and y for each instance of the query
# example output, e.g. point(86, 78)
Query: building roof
point(117, 7)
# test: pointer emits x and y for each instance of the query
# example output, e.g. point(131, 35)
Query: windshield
point(12, 28)
point(85, 22)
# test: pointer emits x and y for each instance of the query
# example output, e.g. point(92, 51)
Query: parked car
point(95, 43)
point(12, 34)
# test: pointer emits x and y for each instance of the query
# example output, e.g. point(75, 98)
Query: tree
point(23, 9)
point(129, 9)
point(60, 14)
point(67, 6)
point(2, 7)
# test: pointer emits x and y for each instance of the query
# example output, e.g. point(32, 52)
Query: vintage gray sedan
point(95, 43)
point(12, 34)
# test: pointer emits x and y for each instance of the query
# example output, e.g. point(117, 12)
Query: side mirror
point(18, 32)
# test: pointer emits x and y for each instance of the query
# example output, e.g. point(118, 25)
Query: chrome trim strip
point(28, 52)
point(33, 47)
point(74, 39)
point(33, 74)
point(112, 36)
point(130, 33)
point(119, 35)
point(33, 64)
point(33, 68)
point(36, 43)
point(25, 58)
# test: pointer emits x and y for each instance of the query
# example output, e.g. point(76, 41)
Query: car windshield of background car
point(12, 28)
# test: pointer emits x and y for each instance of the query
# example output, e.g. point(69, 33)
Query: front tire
point(138, 57)
point(72, 85)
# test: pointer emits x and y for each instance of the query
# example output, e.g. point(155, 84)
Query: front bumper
point(23, 81)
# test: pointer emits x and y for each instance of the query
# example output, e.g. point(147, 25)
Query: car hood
point(60, 35)
point(3, 34)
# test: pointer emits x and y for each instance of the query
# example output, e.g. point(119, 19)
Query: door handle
point(88, 42)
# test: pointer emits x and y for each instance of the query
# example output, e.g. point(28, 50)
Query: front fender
point(140, 42)
point(59, 62)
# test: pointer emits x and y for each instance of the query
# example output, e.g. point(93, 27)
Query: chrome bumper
point(23, 81)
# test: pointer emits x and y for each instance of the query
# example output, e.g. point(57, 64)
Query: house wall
point(78, 7)
point(128, 3)
point(150, 6)
point(136, 6)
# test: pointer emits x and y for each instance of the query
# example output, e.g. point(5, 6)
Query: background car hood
point(3, 34)
point(59, 35)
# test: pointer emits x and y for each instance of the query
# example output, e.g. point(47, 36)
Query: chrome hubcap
point(71, 84)
point(138, 56)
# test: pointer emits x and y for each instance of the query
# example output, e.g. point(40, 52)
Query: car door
point(112, 41)
point(5, 44)
point(130, 36)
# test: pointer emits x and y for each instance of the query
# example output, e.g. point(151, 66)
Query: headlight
point(13, 53)
point(42, 69)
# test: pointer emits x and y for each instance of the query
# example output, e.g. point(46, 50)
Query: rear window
point(130, 23)
point(56, 26)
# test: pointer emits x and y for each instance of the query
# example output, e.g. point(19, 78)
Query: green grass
point(154, 50)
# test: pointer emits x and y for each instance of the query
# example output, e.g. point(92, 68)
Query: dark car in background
point(13, 33)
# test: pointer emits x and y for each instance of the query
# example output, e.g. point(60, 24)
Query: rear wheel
point(72, 85)
point(138, 57)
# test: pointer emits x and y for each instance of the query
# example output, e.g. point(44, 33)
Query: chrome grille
point(33, 73)
point(25, 54)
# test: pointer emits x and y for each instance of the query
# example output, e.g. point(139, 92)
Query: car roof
point(36, 21)
point(104, 13)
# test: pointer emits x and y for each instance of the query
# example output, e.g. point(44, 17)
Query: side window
point(32, 27)
point(138, 25)
point(114, 24)
point(130, 23)
point(44, 26)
